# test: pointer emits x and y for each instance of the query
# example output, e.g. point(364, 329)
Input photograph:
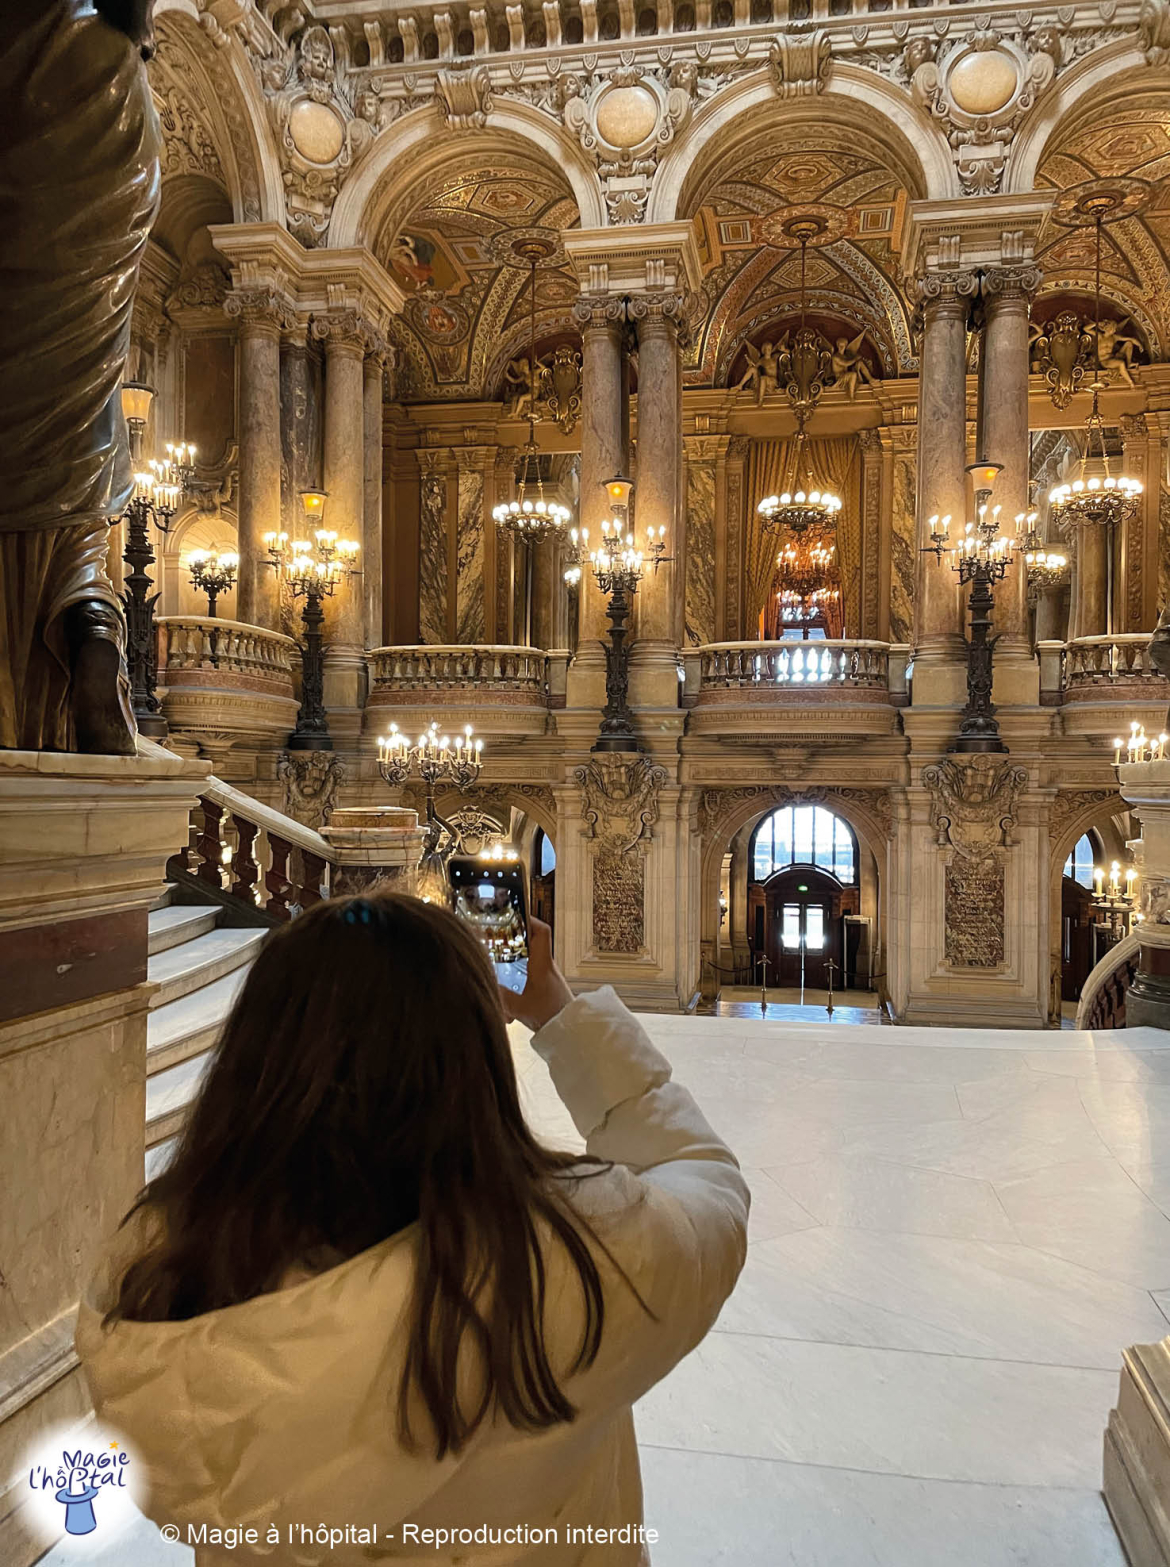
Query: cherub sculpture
point(518, 390)
point(1116, 347)
point(849, 365)
point(763, 371)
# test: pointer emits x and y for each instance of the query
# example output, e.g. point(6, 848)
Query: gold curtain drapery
point(834, 463)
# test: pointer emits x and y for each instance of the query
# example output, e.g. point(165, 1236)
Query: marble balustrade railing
point(1102, 1001)
point(470, 666)
point(201, 642)
point(1122, 659)
point(840, 661)
point(243, 850)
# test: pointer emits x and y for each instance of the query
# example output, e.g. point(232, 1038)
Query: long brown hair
point(364, 1081)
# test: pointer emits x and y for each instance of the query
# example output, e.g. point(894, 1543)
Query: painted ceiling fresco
point(467, 313)
point(752, 287)
point(1127, 136)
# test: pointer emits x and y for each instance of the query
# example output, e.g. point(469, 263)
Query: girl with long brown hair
point(363, 1297)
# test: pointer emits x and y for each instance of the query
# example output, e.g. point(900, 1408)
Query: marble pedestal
point(1137, 1455)
point(84, 842)
point(378, 850)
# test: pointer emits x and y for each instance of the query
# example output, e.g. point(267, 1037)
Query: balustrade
point(833, 662)
point(1121, 660)
point(243, 851)
point(229, 648)
point(1102, 1003)
point(406, 668)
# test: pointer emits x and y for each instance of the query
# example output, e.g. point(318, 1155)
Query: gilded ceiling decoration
point(1127, 136)
point(467, 308)
point(752, 269)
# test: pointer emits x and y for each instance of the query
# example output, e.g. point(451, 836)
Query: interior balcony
point(845, 687)
point(1102, 684)
point(503, 692)
point(225, 685)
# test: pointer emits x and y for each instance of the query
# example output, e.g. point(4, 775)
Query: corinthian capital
point(348, 329)
point(598, 310)
point(265, 307)
point(1012, 283)
point(952, 286)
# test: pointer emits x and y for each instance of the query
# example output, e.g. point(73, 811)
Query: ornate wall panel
point(903, 550)
point(469, 598)
point(700, 557)
point(432, 616)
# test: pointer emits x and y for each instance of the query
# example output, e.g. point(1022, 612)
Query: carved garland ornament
point(717, 805)
point(973, 812)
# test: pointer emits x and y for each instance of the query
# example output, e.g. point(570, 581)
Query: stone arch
point(532, 800)
point(725, 812)
point(917, 147)
point(1078, 811)
point(1109, 70)
point(236, 108)
point(420, 143)
point(215, 527)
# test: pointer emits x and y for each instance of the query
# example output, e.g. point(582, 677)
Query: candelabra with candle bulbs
point(159, 488)
point(981, 557)
point(436, 759)
point(1140, 747)
point(1046, 568)
point(213, 572)
point(618, 566)
point(1115, 899)
point(313, 572)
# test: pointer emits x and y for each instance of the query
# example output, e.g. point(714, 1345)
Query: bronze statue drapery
point(79, 188)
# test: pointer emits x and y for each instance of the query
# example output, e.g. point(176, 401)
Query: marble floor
point(953, 1235)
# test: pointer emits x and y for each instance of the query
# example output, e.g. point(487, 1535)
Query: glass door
point(803, 945)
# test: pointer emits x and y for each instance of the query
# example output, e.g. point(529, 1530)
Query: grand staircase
point(198, 964)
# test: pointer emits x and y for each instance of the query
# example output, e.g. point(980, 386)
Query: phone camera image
point(492, 899)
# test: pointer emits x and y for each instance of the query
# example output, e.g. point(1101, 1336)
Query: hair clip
point(359, 909)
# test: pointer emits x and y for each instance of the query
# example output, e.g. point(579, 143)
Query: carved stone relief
point(716, 805)
point(310, 779)
point(623, 119)
point(620, 807)
point(973, 813)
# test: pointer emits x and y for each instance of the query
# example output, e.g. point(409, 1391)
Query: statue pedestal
point(627, 836)
point(1137, 1455)
point(378, 850)
point(84, 842)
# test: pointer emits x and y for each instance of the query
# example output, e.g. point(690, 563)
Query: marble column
point(1092, 605)
point(346, 339)
point(602, 455)
point(942, 456)
point(543, 587)
point(656, 498)
point(262, 315)
point(1007, 293)
point(373, 369)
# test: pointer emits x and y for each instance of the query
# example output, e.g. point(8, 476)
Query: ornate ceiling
point(752, 288)
point(1125, 135)
point(467, 312)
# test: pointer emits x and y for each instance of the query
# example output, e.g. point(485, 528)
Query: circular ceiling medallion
point(316, 132)
point(524, 247)
point(813, 224)
point(984, 81)
point(1110, 200)
point(626, 116)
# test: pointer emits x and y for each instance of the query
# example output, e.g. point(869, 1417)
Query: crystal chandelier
point(529, 515)
point(1107, 499)
point(804, 568)
point(804, 507)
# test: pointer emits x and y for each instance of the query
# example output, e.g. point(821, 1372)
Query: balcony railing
point(223, 683)
point(1122, 661)
point(503, 691)
point(229, 651)
point(836, 662)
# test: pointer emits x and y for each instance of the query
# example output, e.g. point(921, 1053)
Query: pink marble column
point(373, 370)
point(657, 498)
point(262, 315)
point(600, 320)
point(1007, 293)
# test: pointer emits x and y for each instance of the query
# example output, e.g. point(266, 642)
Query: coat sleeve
point(681, 1234)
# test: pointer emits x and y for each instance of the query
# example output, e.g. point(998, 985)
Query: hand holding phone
point(546, 990)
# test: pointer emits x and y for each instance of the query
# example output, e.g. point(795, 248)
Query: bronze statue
point(1160, 648)
point(79, 188)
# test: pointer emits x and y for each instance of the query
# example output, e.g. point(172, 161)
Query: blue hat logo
point(79, 1518)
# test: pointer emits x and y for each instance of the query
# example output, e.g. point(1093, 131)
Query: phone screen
point(491, 898)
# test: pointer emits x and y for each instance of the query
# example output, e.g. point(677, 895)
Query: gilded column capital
point(1133, 427)
point(1010, 284)
point(599, 312)
point(264, 308)
point(664, 312)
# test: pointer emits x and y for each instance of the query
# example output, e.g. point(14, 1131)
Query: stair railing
point(1102, 1003)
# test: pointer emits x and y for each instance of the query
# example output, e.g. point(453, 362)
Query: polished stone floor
point(953, 1235)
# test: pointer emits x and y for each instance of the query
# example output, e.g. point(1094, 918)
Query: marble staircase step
point(178, 922)
point(169, 1095)
point(181, 970)
point(165, 898)
point(191, 1024)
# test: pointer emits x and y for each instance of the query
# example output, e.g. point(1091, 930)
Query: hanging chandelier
point(529, 514)
point(805, 569)
point(1046, 568)
point(804, 506)
point(1105, 499)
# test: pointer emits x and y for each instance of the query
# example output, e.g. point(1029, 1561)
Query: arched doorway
point(804, 899)
point(1079, 937)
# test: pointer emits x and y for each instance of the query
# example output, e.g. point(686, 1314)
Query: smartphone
point(492, 899)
